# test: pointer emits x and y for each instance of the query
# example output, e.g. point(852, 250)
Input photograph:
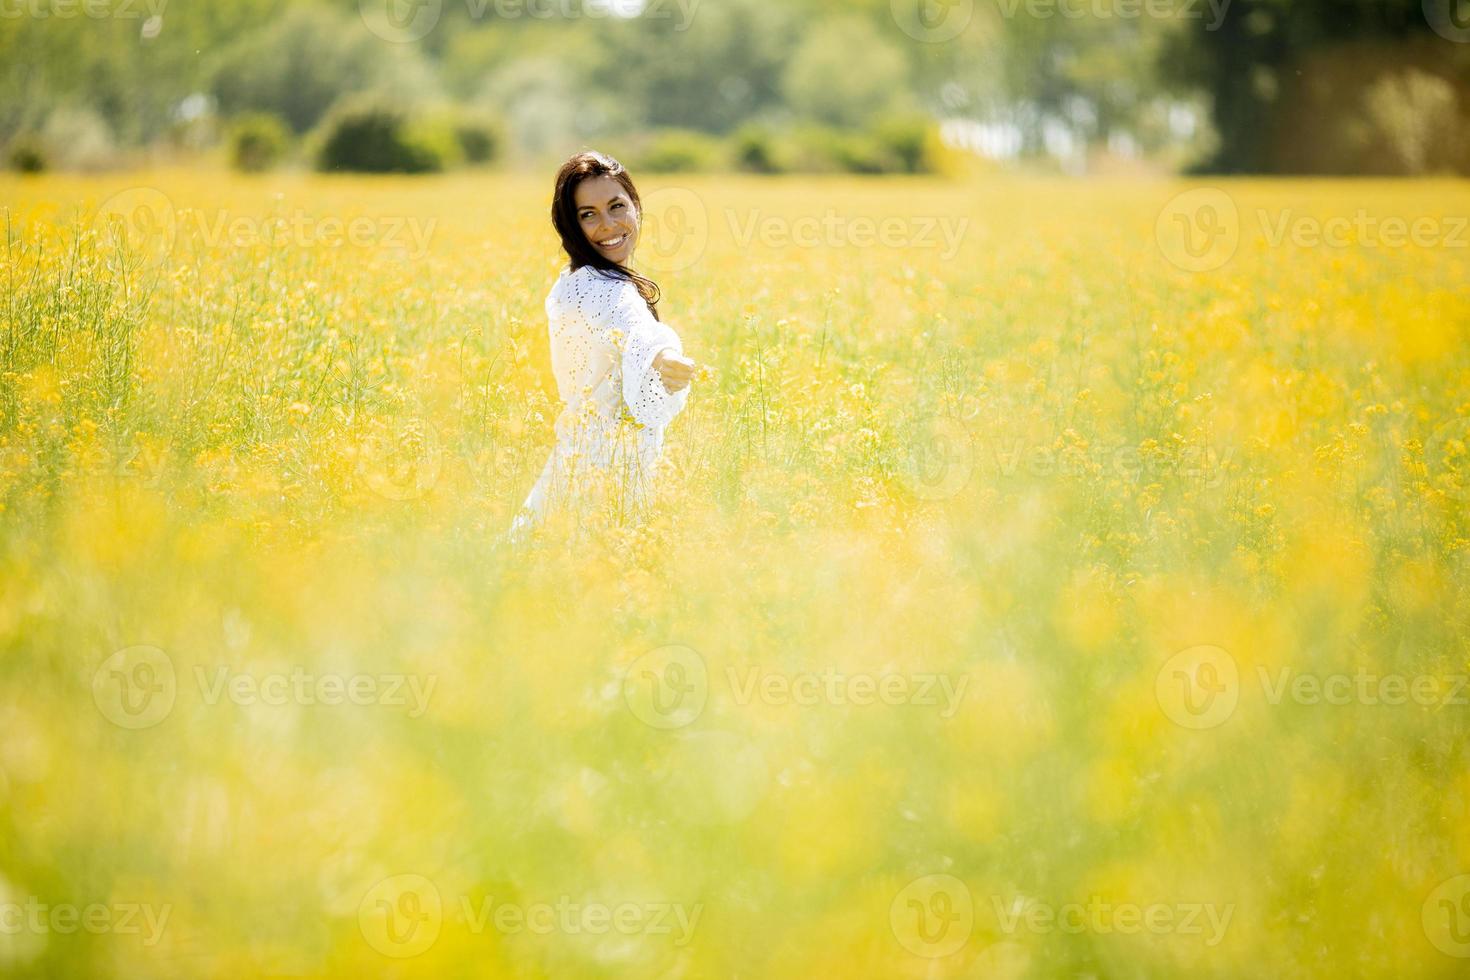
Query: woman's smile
point(608, 218)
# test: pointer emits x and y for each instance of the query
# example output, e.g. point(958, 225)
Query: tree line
point(1313, 86)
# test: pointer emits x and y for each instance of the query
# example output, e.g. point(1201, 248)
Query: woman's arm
point(645, 340)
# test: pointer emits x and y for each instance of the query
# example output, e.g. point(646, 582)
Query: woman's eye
point(617, 206)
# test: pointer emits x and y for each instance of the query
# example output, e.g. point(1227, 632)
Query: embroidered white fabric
point(603, 343)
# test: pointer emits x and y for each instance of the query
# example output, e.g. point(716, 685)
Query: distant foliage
point(895, 145)
point(1413, 115)
point(753, 149)
point(852, 152)
point(844, 73)
point(380, 138)
point(298, 66)
point(79, 139)
point(707, 66)
point(258, 141)
point(26, 155)
point(1305, 86)
point(907, 143)
point(680, 151)
point(480, 138)
point(1320, 86)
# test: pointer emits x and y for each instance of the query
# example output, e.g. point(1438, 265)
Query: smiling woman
point(620, 372)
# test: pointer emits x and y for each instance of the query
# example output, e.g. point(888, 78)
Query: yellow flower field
point(1049, 579)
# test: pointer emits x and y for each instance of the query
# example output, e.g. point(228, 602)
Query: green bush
point(436, 134)
point(27, 155)
point(754, 150)
point(380, 138)
point(895, 144)
point(258, 140)
point(824, 149)
point(909, 142)
point(680, 151)
point(861, 153)
point(479, 139)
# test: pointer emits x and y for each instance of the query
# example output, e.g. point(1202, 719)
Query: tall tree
point(1266, 61)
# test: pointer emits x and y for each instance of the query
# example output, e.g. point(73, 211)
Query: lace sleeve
point(642, 337)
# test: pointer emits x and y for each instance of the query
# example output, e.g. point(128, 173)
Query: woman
point(620, 372)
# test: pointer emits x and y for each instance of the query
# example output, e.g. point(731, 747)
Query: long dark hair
point(590, 163)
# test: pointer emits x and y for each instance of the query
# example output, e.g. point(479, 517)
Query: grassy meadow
point(1049, 579)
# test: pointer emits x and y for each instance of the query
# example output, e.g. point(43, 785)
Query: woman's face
point(608, 218)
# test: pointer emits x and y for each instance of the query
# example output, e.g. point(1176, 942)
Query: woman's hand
point(675, 371)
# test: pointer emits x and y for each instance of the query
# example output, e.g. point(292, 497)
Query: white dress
point(615, 408)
